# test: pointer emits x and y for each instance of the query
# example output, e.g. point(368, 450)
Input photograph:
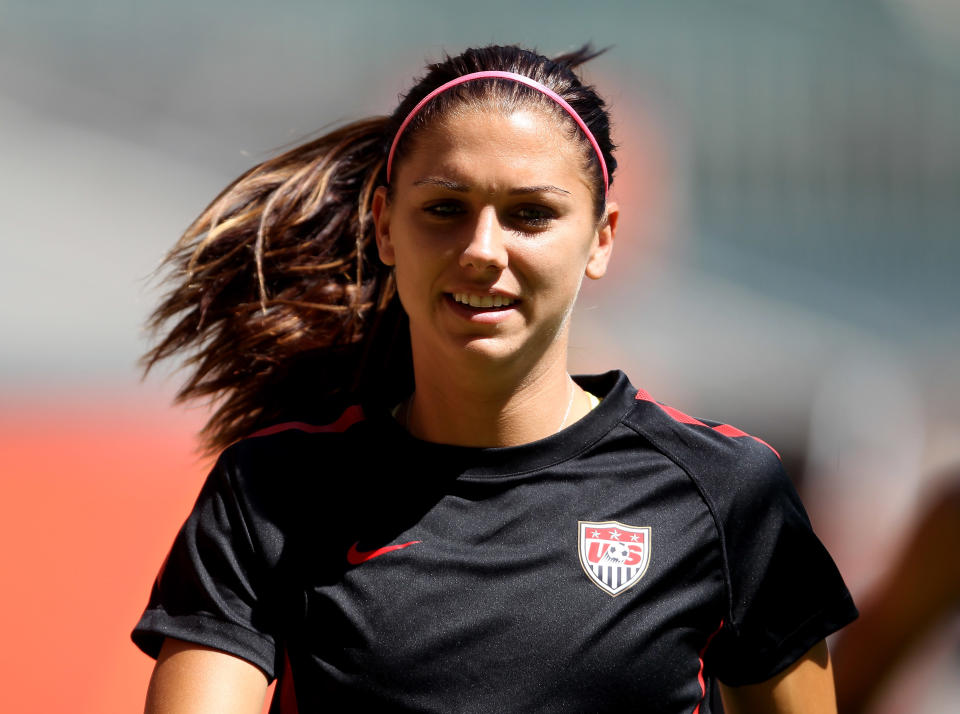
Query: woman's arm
point(805, 688)
point(191, 678)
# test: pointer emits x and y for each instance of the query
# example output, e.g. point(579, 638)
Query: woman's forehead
point(541, 118)
point(524, 147)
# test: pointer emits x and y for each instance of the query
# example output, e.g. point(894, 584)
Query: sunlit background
point(786, 262)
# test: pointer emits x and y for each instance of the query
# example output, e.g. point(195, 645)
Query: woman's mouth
point(483, 301)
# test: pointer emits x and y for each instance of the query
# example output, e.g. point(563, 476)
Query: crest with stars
point(614, 555)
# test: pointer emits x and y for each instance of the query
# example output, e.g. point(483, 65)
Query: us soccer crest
point(614, 555)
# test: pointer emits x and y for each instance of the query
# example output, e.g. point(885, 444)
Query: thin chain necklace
point(573, 393)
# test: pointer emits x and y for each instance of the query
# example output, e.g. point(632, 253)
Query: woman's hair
point(278, 297)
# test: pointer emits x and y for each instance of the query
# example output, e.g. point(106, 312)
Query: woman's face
point(491, 228)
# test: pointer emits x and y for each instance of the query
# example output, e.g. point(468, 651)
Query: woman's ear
point(603, 245)
point(381, 224)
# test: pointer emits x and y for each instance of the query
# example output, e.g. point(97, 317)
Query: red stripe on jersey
point(349, 417)
point(643, 395)
point(728, 430)
point(703, 684)
point(679, 416)
point(286, 696)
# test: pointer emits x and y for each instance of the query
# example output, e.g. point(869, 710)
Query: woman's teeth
point(483, 300)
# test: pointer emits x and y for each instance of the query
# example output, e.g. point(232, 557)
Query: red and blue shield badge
point(614, 555)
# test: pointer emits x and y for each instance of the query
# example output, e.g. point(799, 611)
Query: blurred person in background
point(416, 507)
point(920, 589)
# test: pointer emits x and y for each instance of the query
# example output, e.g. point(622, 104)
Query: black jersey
point(626, 562)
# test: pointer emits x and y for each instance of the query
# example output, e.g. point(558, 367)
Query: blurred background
point(786, 262)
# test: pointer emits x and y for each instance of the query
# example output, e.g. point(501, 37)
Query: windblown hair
point(279, 300)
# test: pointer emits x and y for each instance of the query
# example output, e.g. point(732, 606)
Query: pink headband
point(516, 78)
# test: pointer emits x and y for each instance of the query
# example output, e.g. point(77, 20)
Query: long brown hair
point(278, 297)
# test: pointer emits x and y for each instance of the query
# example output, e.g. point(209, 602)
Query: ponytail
point(278, 291)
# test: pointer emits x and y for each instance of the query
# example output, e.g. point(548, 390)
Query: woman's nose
point(487, 246)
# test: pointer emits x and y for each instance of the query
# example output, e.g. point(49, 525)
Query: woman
point(422, 510)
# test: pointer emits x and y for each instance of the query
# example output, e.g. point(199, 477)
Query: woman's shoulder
point(294, 433)
point(285, 459)
point(345, 419)
point(727, 464)
point(694, 440)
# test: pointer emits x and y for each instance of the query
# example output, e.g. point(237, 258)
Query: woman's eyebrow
point(463, 188)
point(538, 189)
point(443, 183)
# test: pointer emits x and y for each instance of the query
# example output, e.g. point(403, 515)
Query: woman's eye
point(444, 210)
point(536, 216)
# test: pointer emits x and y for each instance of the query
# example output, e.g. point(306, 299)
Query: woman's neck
point(469, 407)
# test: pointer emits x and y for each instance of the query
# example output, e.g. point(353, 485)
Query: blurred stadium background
point(787, 261)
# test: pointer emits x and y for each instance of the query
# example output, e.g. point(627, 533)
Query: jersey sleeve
point(785, 592)
point(216, 587)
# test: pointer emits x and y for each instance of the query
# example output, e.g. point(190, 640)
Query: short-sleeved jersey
point(626, 562)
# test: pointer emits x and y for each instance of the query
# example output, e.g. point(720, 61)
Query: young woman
point(418, 508)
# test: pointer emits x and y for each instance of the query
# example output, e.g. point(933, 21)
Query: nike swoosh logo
point(355, 557)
